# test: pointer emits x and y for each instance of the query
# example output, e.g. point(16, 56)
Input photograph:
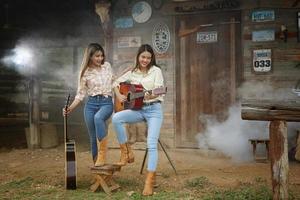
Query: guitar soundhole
point(128, 96)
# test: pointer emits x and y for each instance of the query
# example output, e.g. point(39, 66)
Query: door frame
point(236, 72)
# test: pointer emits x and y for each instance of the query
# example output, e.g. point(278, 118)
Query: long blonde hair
point(88, 53)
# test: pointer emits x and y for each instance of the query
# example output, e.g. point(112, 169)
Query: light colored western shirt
point(151, 80)
point(96, 81)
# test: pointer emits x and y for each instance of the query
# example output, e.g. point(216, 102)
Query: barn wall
point(67, 52)
point(283, 76)
point(285, 70)
point(124, 57)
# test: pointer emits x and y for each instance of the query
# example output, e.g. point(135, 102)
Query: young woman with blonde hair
point(95, 82)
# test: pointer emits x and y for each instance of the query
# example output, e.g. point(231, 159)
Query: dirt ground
point(48, 165)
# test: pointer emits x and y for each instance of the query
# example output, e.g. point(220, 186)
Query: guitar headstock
point(159, 90)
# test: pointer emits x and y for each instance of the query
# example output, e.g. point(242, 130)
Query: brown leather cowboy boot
point(148, 188)
point(102, 149)
point(126, 154)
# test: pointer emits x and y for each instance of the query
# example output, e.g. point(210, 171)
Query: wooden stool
point(103, 178)
point(254, 142)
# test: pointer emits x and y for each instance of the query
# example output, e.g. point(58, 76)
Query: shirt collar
point(149, 71)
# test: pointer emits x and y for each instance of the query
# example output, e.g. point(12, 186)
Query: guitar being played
point(132, 96)
point(141, 96)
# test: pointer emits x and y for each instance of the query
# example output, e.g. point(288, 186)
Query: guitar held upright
point(70, 156)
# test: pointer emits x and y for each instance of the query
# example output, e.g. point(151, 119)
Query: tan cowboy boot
point(126, 155)
point(148, 188)
point(102, 149)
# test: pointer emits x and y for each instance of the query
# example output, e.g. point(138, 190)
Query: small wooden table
point(254, 143)
point(103, 178)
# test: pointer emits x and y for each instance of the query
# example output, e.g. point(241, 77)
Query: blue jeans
point(153, 115)
point(97, 110)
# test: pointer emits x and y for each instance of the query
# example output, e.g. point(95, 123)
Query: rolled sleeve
point(82, 89)
point(159, 79)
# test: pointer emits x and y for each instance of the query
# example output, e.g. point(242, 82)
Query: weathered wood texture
point(297, 155)
point(278, 112)
point(285, 55)
point(207, 72)
point(271, 110)
point(279, 159)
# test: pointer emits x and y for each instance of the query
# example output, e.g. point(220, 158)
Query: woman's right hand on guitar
point(66, 111)
point(121, 97)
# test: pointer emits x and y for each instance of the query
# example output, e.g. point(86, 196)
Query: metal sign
point(262, 60)
point(125, 42)
point(161, 38)
point(263, 15)
point(207, 37)
point(263, 35)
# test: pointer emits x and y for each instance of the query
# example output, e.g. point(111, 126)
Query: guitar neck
point(66, 120)
point(156, 91)
point(138, 94)
point(66, 128)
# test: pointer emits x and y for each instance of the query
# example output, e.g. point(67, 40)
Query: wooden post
point(102, 8)
point(34, 118)
point(278, 113)
point(232, 62)
point(279, 159)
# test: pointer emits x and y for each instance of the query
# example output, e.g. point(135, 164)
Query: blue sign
point(124, 22)
point(263, 15)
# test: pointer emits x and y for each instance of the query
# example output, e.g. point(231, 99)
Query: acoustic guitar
point(135, 96)
point(70, 156)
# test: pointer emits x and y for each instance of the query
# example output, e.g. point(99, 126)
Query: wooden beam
point(270, 110)
point(103, 9)
point(279, 159)
point(185, 32)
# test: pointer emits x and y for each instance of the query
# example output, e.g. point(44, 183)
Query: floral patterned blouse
point(96, 81)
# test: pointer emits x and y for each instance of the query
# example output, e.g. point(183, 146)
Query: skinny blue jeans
point(97, 110)
point(153, 115)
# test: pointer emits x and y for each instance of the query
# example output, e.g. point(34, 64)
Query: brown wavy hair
point(143, 48)
point(88, 53)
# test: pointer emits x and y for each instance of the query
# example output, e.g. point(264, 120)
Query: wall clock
point(161, 38)
point(141, 11)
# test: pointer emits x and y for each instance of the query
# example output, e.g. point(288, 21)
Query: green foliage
point(197, 188)
point(199, 182)
point(261, 192)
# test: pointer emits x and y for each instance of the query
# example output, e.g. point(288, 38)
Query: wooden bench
point(104, 178)
point(254, 143)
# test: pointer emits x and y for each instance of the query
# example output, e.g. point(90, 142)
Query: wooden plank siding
point(285, 55)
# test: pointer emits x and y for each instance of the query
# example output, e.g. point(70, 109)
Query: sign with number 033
point(262, 60)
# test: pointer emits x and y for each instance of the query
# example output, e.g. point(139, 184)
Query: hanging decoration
point(161, 38)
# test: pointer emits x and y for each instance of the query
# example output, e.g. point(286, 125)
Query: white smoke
point(21, 59)
point(29, 58)
point(231, 136)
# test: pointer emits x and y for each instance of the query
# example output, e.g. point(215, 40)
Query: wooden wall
point(285, 70)
point(284, 73)
point(125, 56)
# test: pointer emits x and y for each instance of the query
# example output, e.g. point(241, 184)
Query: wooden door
point(207, 72)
